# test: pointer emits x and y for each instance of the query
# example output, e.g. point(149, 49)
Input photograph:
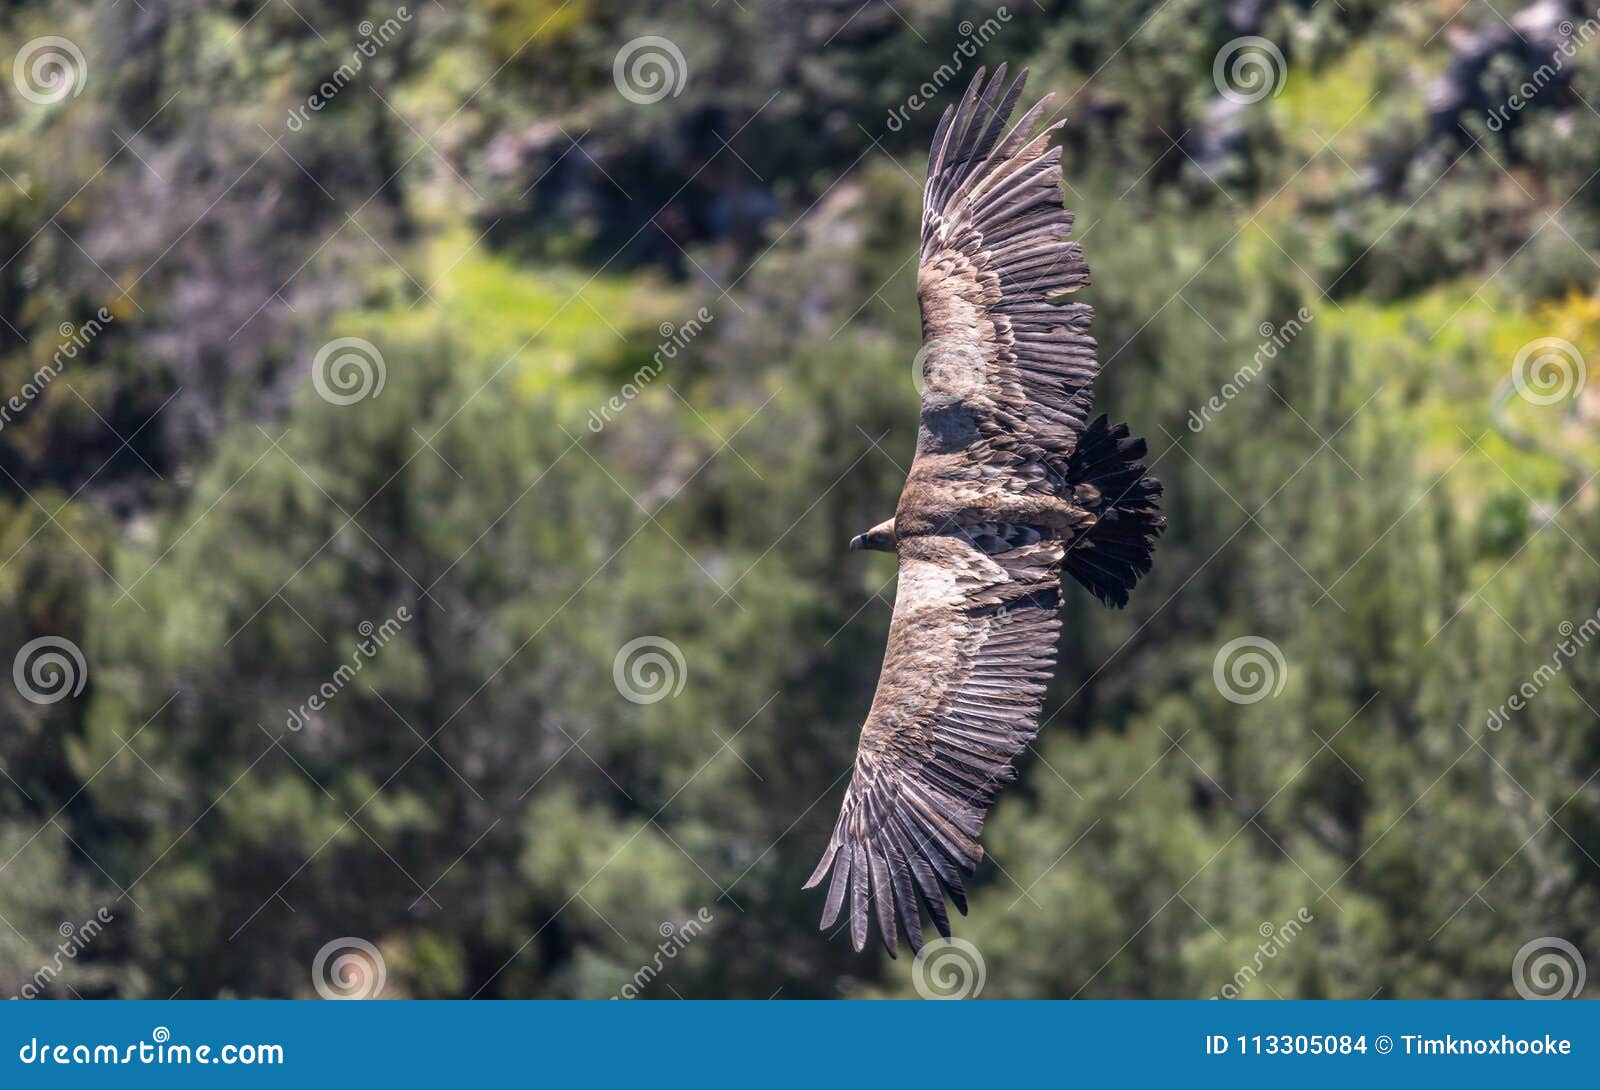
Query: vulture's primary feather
point(1011, 487)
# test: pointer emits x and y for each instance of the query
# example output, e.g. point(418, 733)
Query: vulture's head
point(880, 538)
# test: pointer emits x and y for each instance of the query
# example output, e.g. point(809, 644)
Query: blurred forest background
point(430, 386)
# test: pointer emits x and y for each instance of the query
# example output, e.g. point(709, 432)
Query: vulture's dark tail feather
point(1108, 479)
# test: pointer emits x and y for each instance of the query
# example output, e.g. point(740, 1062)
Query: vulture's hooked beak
point(858, 543)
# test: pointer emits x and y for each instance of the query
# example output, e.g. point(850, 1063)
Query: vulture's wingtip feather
point(822, 868)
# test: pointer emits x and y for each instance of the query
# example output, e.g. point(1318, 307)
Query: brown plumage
point(1011, 487)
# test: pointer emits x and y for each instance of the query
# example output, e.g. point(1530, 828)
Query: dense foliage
point(353, 666)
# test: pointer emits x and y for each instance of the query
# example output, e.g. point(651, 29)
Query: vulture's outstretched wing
point(971, 647)
point(994, 258)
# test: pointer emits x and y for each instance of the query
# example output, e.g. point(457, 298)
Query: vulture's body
point(1010, 489)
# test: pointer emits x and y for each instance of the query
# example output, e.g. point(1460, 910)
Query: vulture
point(1012, 489)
